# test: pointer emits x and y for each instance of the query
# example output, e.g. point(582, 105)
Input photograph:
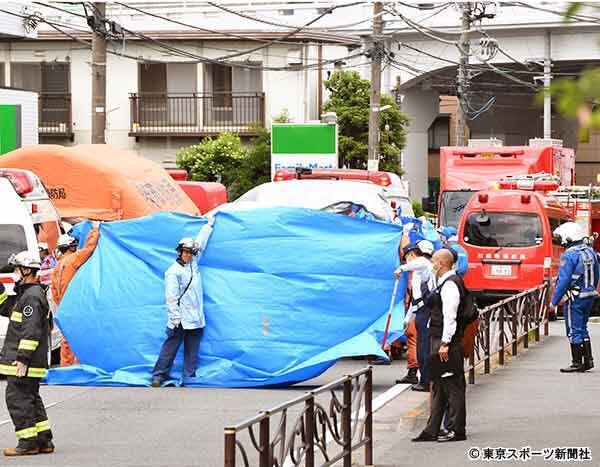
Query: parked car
point(324, 195)
point(28, 217)
point(397, 190)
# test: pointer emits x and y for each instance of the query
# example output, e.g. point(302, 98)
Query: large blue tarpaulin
point(287, 292)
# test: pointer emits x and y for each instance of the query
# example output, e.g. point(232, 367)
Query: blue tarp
point(287, 292)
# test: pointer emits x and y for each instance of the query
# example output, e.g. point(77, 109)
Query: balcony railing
point(195, 114)
point(54, 116)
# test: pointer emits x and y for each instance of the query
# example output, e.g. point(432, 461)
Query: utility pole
point(320, 80)
point(375, 102)
point(99, 74)
point(463, 73)
point(547, 79)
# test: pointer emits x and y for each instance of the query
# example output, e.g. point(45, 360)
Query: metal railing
point(506, 324)
point(194, 114)
point(54, 117)
point(312, 434)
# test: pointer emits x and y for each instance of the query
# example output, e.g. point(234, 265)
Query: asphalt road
point(159, 427)
point(529, 403)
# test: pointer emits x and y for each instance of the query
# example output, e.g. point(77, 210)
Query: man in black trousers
point(446, 362)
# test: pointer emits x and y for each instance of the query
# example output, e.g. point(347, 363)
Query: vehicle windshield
point(452, 205)
point(503, 229)
point(12, 241)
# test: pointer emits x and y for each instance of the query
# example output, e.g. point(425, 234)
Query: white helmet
point(187, 243)
point(569, 232)
point(42, 246)
point(25, 260)
point(426, 247)
point(65, 241)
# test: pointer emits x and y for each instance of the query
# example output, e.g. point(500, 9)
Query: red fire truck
point(465, 170)
point(583, 204)
point(507, 232)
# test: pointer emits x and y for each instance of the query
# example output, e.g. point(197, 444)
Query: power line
point(292, 33)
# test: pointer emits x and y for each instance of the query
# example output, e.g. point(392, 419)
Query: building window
point(44, 78)
point(2, 79)
point(221, 77)
point(439, 133)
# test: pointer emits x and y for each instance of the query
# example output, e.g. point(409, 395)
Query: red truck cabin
point(508, 238)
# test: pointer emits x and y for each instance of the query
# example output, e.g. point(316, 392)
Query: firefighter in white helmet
point(183, 293)
point(24, 358)
point(577, 283)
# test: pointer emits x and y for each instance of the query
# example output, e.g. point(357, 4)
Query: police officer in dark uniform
point(24, 357)
point(577, 282)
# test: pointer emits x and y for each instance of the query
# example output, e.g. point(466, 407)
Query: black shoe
point(46, 447)
point(156, 383)
point(577, 363)
point(451, 436)
point(424, 437)
point(409, 378)
point(588, 360)
point(443, 432)
point(420, 387)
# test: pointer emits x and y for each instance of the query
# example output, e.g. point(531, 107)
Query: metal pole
point(463, 73)
point(264, 457)
point(375, 102)
point(369, 418)
point(99, 79)
point(229, 447)
point(347, 422)
point(501, 325)
point(547, 79)
point(309, 422)
point(320, 81)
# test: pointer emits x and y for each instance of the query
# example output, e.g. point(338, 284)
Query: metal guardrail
point(347, 424)
point(194, 114)
point(505, 324)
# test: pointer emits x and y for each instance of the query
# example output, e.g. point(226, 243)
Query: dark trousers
point(448, 394)
point(27, 411)
point(191, 344)
point(421, 321)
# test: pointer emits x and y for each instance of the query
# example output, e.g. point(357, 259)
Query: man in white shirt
point(418, 262)
point(446, 362)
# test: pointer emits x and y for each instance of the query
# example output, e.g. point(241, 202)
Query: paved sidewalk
point(527, 403)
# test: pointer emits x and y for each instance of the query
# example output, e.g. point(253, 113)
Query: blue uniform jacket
point(579, 270)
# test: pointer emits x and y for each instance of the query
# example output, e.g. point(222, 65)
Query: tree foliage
point(578, 99)
point(350, 100)
point(225, 159)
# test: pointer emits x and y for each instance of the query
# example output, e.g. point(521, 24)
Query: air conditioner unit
point(542, 142)
point(494, 142)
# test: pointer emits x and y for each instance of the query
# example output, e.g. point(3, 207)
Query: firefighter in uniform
point(24, 357)
point(577, 283)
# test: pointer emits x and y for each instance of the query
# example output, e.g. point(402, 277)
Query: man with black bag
point(449, 303)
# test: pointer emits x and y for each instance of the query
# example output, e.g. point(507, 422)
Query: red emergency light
point(377, 177)
point(284, 174)
point(19, 179)
point(488, 153)
point(528, 184)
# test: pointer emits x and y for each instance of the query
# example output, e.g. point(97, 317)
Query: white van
point(28, 217)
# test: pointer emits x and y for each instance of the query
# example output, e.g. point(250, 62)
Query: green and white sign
point(10, 128)
point(309, 145)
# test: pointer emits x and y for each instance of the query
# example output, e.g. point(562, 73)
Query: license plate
point(501, 270)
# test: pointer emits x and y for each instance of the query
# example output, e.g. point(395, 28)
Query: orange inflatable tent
point(99, 182)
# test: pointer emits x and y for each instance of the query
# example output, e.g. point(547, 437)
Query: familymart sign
point(309, 145)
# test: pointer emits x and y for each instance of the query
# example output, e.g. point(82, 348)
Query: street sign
point(10, 128)
point(309, 145)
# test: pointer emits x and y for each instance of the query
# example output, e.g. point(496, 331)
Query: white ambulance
point(27, 217)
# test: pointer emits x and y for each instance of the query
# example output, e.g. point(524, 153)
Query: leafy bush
point(214, 160)
point(418, 209)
